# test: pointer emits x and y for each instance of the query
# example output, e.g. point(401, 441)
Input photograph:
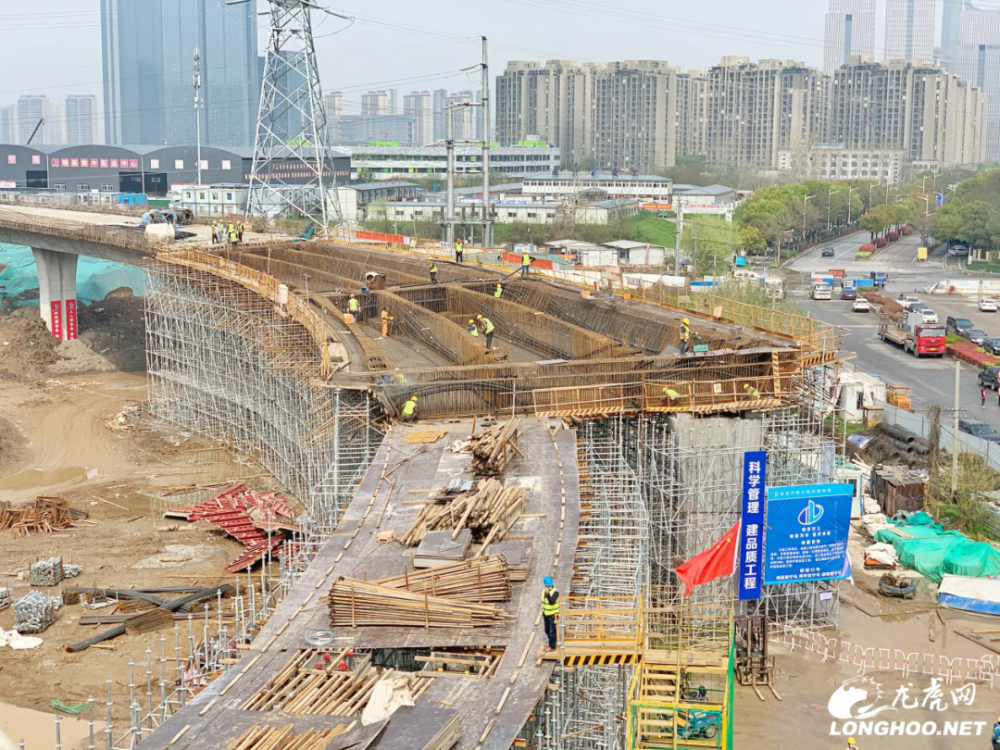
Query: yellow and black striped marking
point(599, 660)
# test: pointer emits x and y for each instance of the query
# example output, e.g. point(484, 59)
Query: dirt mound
point(12, 446)
point(116, 330)
point(26, 346)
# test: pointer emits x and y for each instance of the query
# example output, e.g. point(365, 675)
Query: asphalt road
point(931, 381)
point(898, 258)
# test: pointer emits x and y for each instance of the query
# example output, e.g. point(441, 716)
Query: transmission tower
point(291, 171)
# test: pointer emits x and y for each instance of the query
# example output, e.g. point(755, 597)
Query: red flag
point(717, 561)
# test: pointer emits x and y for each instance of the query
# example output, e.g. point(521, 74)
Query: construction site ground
point(83, 437)
point(493, 709)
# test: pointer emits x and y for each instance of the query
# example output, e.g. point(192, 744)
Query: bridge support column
point(57, 291)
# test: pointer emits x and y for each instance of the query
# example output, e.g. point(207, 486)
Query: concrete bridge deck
point(493, 709)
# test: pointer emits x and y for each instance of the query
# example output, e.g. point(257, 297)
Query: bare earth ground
point(61, 435)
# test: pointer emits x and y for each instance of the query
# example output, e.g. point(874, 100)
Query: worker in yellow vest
point(525, 264)
point(670, 395)
point(434, 272)
point(473, 329)
point(232, 234)
point(550, 608)
point(410, 410)
point(499, 291)
point(215, 233)
point(459, 249)
point(386, 320)
point(488, 330)
point(353, 306)
point(752, 393)
point(685, 335)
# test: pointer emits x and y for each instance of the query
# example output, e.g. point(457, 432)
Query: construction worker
point(215, 233)
point(240, 227)
point(232, 234)
point(386, 320)
point(488, 330)
point(851, 744)
point(550, 608)
point(499, 291)
point(525, 264)
point(473, 329)
point(353, 306)
point(996, 735)
point(670, 395)
point(458, 249)
point(434, 272)
point(410, 410)
point(685, 335)
point(752, 393)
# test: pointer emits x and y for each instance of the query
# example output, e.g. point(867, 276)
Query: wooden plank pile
point(448, 736)
point(357, 603)
point(481, 579)
point(260, 521)
point(316, 682)
point(260, 737)
point(493, 447)
point(43, 516)
point(489, 512)
point(465, 662)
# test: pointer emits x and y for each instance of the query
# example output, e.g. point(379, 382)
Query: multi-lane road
point(932, 381)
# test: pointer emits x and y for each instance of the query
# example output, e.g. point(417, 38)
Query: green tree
point(751, 239)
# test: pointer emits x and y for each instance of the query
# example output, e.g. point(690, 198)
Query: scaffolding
point(225, 362)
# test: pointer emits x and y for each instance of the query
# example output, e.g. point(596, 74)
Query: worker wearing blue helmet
point(550, 608)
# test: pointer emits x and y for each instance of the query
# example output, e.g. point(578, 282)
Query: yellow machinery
point(681, 692)
point(898, 395)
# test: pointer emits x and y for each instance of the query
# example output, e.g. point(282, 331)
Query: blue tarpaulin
point(94, 277)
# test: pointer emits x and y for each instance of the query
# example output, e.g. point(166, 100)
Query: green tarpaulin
point(923, 545)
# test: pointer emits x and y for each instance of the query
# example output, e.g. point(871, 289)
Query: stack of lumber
point(463, 662)
point(493, 447)
point(260, 737)
point(313, 683)
point(517, 554)
point(448, 736)
point(489, 512)
point(481, 579)
point(357, 603)
point(43, 516)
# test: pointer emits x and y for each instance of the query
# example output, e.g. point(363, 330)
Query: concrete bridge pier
point(57, 291)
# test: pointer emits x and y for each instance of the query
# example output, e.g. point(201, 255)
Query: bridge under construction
point(583, 445)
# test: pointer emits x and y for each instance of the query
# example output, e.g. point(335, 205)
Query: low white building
point(688, 196)
point(214, 200)
point(505, 212)
point(355, 200)
point(395, 162)
point(632, 253)
point(649, 188)
point(839, 163)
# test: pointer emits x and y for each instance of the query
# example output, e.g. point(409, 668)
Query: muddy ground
point(86, 438)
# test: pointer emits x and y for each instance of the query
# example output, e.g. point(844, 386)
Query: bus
point(821, 291)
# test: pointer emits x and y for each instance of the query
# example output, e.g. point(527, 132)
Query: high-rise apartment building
point(467, 119)
point(602, 115)
point(333, 103)
point(930, 116)
point(377, 103)
point(81, 119)
point(440, 125)
point(849, 30)
point(420, 106)
point(951, 33)
point(692, 113)
point(979, 64)
point(39, 120)
point(8, 124)
point(148, 49)
point(909, 30)
point(757, 109)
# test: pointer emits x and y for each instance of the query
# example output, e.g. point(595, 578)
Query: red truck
point(920, 339)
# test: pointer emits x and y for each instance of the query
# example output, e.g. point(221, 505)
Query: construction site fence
point(118, 237)
point(866, 659)
point(266, 286)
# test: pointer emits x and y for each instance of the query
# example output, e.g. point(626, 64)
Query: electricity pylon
point(291, 173)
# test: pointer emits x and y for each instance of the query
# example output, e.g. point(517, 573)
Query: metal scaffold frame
point(225, 363)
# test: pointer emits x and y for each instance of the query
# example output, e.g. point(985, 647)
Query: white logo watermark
point(856, 703)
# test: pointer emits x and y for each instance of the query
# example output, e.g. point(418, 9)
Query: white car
point(987, 305)
point(928, 315)
point(907, 300)
point(861, 305)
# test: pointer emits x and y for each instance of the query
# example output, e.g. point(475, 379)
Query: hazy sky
point(54, 46)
